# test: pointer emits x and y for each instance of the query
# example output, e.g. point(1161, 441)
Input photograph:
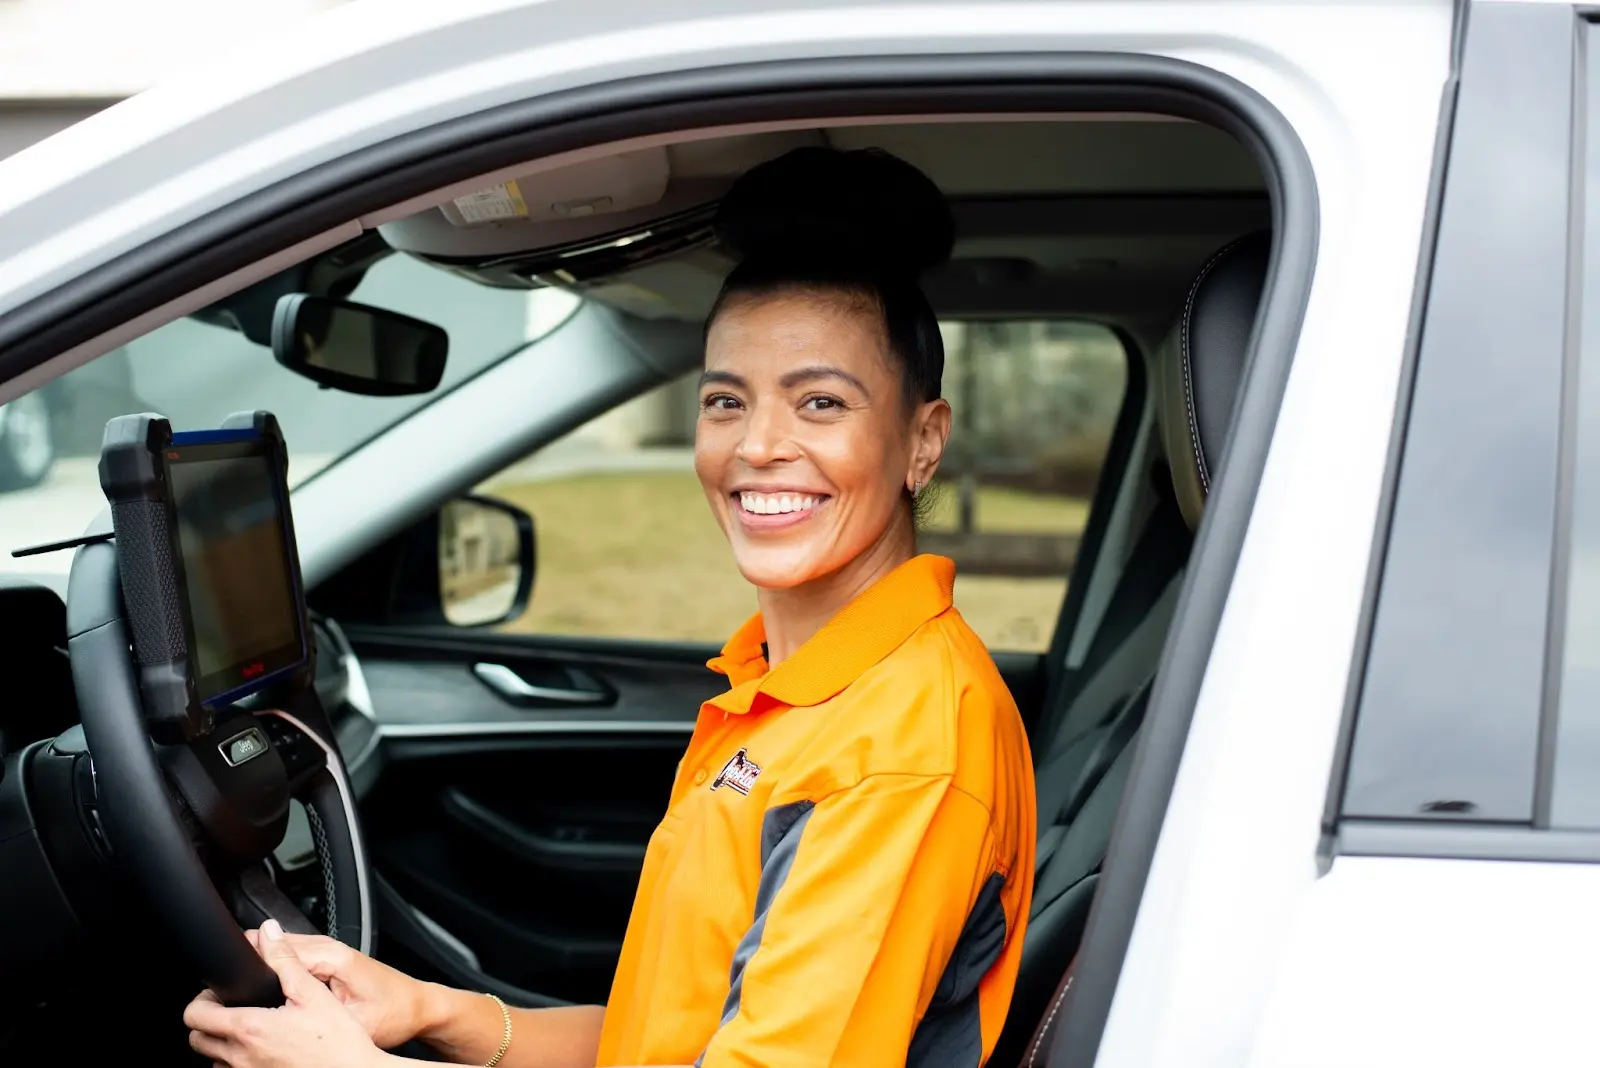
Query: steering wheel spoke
point(304, 756)
point(255, 897)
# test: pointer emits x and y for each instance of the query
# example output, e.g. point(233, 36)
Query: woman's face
point(804, 445)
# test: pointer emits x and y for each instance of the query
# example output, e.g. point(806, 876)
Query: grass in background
point(637, 555)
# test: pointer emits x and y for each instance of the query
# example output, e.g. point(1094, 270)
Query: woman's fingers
point(206, 1013)
point(323, 957)
point(218, 1050)
point(297, 980)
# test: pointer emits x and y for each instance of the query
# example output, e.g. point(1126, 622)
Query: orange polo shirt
point(844, 871)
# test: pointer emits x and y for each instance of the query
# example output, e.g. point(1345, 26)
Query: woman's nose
point(768, 438)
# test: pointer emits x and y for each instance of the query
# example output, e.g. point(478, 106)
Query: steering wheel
point(195, 822)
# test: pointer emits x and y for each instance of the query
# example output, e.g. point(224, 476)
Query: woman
point(844, 871)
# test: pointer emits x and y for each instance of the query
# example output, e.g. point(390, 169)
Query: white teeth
point(777, 503)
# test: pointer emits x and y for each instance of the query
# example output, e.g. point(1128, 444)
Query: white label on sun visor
point(494, 204)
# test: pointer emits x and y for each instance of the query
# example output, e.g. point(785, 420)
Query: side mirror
point(357, 348)
point(486, 561)
point(470, 564)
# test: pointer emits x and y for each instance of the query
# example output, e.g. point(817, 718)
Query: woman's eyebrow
point(722, 378)
point(802, 375)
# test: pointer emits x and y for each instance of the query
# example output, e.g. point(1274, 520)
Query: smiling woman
point(853, 688)
point(808, 457)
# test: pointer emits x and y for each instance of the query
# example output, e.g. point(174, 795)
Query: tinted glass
point(1450, 715)
point(1575, 794)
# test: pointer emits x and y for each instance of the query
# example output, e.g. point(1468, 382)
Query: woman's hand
point(389, 1004)
point(310, 1030)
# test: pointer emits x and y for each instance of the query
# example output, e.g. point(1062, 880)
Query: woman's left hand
point(310, 1030)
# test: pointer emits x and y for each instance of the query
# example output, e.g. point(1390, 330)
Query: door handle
point(519, 691)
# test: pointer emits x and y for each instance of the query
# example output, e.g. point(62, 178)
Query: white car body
point(1245, 952)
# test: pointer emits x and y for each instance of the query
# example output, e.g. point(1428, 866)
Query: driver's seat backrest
point(1199, 368)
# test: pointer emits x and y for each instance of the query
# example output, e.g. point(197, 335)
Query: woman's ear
point(930, 430)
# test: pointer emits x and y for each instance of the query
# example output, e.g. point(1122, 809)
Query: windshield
point(196, 374)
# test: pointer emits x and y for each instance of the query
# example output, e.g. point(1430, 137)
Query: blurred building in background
point(63, 60)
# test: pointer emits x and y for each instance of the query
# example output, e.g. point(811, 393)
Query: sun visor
point(608, 186)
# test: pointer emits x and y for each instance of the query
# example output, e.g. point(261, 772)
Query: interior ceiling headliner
point(1107, 217)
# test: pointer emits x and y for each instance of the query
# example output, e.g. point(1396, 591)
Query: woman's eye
point(822, 404)
point(720, 402)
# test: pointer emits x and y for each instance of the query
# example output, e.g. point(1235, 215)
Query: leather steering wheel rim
point(152, 836)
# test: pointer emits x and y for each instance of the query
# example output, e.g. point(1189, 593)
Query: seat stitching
point(1188, 381)
point(1033, 1054)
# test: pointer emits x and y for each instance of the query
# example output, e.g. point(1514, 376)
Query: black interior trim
point(397, 917)
point(310, 203)
point(1327, 845)
point(1099, 214)
point(516, 840)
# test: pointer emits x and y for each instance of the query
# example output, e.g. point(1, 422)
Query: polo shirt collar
point(864, 632)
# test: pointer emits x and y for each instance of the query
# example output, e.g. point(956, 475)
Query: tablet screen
point(243, 615)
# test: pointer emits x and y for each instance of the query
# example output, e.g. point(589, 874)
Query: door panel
point(522, 779)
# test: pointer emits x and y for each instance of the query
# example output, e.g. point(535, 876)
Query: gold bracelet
point(505, 1041)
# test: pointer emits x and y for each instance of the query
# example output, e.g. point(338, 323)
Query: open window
point(1090, 208)
point(1068, 312)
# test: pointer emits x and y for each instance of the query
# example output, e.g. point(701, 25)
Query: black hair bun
point(857, 210)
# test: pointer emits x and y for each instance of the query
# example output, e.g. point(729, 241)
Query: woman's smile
point(776, 509)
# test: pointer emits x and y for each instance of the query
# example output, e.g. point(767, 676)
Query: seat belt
point(1160, 553)
point(1070, 797)
point(1106, 697)
point(1121, 674)
point(1108, 749)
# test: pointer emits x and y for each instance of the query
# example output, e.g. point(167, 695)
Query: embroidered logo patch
point(738, 774)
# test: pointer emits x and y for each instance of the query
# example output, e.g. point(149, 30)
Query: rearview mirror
point(357, 348)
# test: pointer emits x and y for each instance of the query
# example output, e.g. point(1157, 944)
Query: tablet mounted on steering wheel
point(206, 555)
point(193, 783)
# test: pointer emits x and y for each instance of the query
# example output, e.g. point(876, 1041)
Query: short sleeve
point(862, 901)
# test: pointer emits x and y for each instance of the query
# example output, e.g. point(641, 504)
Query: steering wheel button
point(246, 745)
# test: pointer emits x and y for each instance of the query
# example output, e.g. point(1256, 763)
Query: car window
point(1452, 723)
point(1575, 780)
point(627, 547)
point(196, 374)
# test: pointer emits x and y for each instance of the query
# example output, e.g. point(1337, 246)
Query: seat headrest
point(1200, 365)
